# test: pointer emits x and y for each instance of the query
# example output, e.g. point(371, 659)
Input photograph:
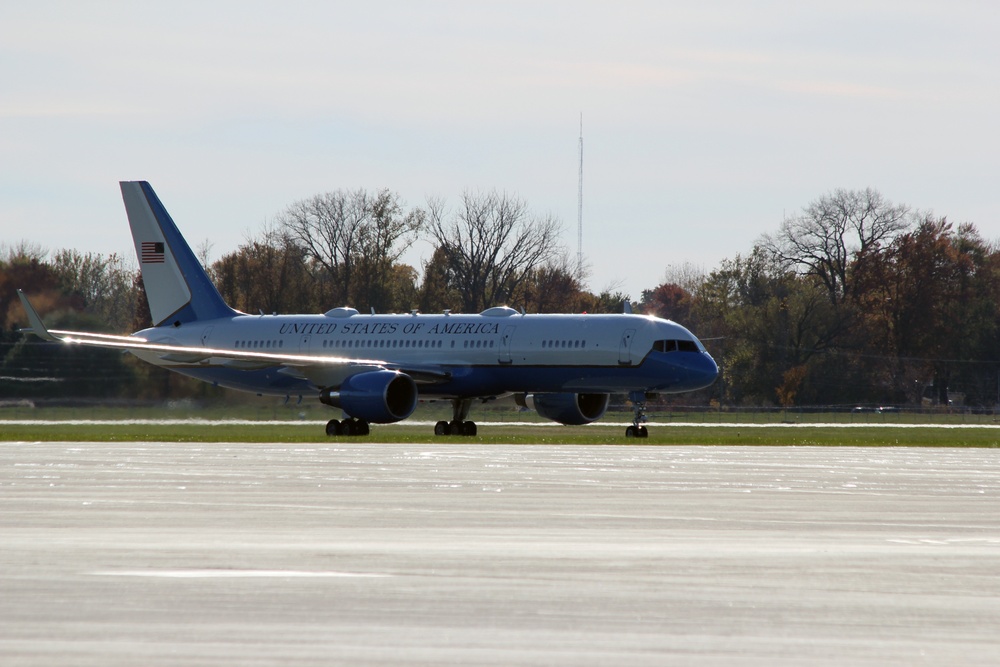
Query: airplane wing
point(315, 367)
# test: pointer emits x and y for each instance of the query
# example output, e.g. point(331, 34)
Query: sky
point(704, 124)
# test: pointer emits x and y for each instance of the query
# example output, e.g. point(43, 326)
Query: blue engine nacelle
point(569, 409)
point(379, 397)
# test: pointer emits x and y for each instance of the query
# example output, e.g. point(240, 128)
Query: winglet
point(37, 327)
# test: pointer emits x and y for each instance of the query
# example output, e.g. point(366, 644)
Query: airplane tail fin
point(177, 287)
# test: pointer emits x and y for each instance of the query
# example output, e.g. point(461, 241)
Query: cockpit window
point(675, 346)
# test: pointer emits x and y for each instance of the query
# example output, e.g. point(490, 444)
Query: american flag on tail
point(151, 252)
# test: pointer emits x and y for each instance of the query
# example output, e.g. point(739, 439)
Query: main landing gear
point(638, 399)
point(458, 425)
point(350, 426)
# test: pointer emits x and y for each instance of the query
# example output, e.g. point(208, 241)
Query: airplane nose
point(704, 371)
point(697, 371)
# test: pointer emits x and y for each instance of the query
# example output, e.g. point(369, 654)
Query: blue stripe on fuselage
point(669, 372)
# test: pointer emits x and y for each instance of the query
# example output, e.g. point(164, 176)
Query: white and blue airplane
point(375, 368)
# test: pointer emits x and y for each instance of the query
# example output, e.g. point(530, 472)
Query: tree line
point(344, 248)
point(853, 300)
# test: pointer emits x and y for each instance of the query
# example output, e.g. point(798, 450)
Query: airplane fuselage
point(490, 354)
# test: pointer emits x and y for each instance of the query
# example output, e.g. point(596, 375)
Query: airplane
point(375, 368)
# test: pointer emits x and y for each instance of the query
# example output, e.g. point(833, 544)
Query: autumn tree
point(268, 273)
point(105, 285)
point(437, 290)
point(23, 266)
point(669, 301)
point(931, 312)
point(607, 301)
point(770, 320)
point(554, 287)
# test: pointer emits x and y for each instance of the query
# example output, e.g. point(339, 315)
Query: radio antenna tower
point(579, 212)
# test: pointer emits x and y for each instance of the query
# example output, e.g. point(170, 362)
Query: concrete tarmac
point(357, 553)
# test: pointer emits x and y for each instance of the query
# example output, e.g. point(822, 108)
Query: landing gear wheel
point(458, 424)
point(643, 432)
point(356, 427)
point(630, 432)
point(350, 426)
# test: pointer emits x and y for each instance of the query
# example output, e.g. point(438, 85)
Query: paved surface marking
point(367, 554)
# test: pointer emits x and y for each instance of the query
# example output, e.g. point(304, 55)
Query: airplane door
point(508, 333)
point(205, 336)
point(304, 343)
point(625, 348)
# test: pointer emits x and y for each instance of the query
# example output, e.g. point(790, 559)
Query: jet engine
point(569, 409)
point(379, 397)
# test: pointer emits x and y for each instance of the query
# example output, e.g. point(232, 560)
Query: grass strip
point(313, 432)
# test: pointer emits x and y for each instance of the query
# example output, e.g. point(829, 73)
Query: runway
point(361, 553)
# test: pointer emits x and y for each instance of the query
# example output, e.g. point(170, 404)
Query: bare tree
point(837, 230)
point(23, 251)
point(389, 231)
point(687, 275)
point(354, 238)
point(492, 244)
point(326, 227)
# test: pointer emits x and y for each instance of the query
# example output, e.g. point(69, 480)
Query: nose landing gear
point(636, 430)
